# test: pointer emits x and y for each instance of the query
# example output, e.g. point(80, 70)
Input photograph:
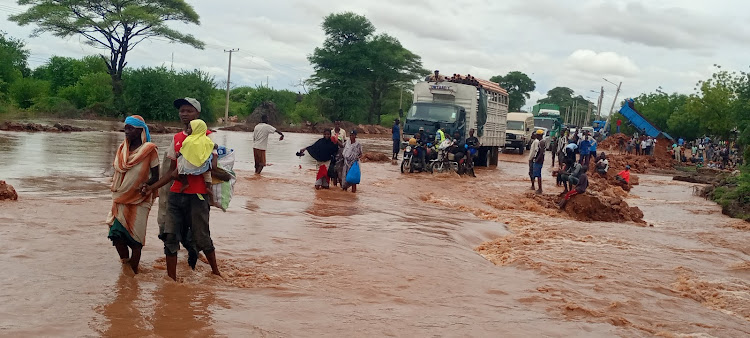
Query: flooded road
point(408, 255)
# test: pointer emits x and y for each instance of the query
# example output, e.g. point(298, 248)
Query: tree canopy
point(518, 85)
point(358, 70)
point(13, 61)
point(117, 26)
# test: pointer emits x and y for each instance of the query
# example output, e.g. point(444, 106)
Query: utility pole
point(171, 65)
point(599, 104)
point(588, 115)
point(229, 74)
point(613, 102)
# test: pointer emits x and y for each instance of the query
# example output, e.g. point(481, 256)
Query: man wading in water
point(187, 211)
point(260, 142)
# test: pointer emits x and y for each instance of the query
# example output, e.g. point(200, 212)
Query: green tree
point(659, 106)
point(284, 100)
point(392, 67)
point(561, 96)
point(340, 65)
point(13, 61)
point(518, 85)
point(24, 91)
point(117, 26)
point(356, 69)
point(63, 71)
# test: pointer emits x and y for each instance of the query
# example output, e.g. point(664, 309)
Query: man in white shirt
point(260, 142)
point(532, 155)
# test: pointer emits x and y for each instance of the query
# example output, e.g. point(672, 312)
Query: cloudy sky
point(644, 44)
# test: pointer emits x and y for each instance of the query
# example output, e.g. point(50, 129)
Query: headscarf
point(138, 122)
point(197, 146)
point(124, 159)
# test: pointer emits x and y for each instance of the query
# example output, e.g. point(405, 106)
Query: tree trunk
point(117, 90)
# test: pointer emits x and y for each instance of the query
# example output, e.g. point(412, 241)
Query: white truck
point(460, 107)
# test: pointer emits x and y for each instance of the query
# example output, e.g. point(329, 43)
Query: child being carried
point(197, 155)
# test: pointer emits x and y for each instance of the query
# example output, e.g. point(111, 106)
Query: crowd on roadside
point(702, 152)
point(705, 152)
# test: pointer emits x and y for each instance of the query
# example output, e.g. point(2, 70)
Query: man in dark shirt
point(396, 131)
point(583, 184)
point(472, 146)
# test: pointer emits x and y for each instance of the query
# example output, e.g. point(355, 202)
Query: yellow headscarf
point(197, 146)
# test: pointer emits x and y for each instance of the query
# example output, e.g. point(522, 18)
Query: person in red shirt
point(188, 209)
point(619, 122)
point(623, 177)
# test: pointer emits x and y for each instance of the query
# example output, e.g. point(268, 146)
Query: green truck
point(548, 116)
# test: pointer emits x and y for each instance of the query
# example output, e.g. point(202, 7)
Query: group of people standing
point(184, 213)
point(705, 152)
point(567, 146)
point(640, 145)
point(340, 153)
point(190, 166)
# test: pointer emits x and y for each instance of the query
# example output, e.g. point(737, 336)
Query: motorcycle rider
point(421, 147)
point(457, 147)
point(473, 145)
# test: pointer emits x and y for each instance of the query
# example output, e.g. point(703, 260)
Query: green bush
point(149, 92)
point(55, 105)
point(26, 90)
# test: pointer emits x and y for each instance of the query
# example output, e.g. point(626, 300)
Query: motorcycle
point(445, 160)
point(411, 159)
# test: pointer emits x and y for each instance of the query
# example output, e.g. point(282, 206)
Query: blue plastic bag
point(353, 176)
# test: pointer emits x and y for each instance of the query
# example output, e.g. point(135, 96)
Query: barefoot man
point(187, 211)
point(260, 142)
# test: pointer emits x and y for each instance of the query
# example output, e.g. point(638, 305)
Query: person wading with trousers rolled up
point(396, 131)
point(187, 210)
point(260, 142)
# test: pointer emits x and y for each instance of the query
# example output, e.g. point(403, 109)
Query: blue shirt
point(584, 146)
point(396, 132)
point(680, 141)
point(592, 146)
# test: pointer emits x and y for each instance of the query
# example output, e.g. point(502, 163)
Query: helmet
point(412, 141)
point(539, 132)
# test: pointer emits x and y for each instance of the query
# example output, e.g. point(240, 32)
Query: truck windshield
point(433, 112)
point(515, 125)
point(546, 123)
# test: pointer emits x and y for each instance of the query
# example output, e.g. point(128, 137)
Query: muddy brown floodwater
point(408, 255)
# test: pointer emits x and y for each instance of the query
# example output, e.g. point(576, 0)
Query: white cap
point(188, 100)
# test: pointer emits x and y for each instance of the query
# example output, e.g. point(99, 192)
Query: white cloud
point(571, 43)
point(601, 64)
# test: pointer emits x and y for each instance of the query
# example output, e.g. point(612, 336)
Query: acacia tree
point(518, 86)
point(117, 26)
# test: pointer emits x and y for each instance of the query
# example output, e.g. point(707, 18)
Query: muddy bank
point(662, 158)
point(731, 192)
point(593, 206)
point(7, 192)
point(36, 127)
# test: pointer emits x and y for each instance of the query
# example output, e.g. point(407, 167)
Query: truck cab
point(519, 130)
point(428, 115)
point(457, 106)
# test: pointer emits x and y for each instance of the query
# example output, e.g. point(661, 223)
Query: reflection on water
point(56, 162)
